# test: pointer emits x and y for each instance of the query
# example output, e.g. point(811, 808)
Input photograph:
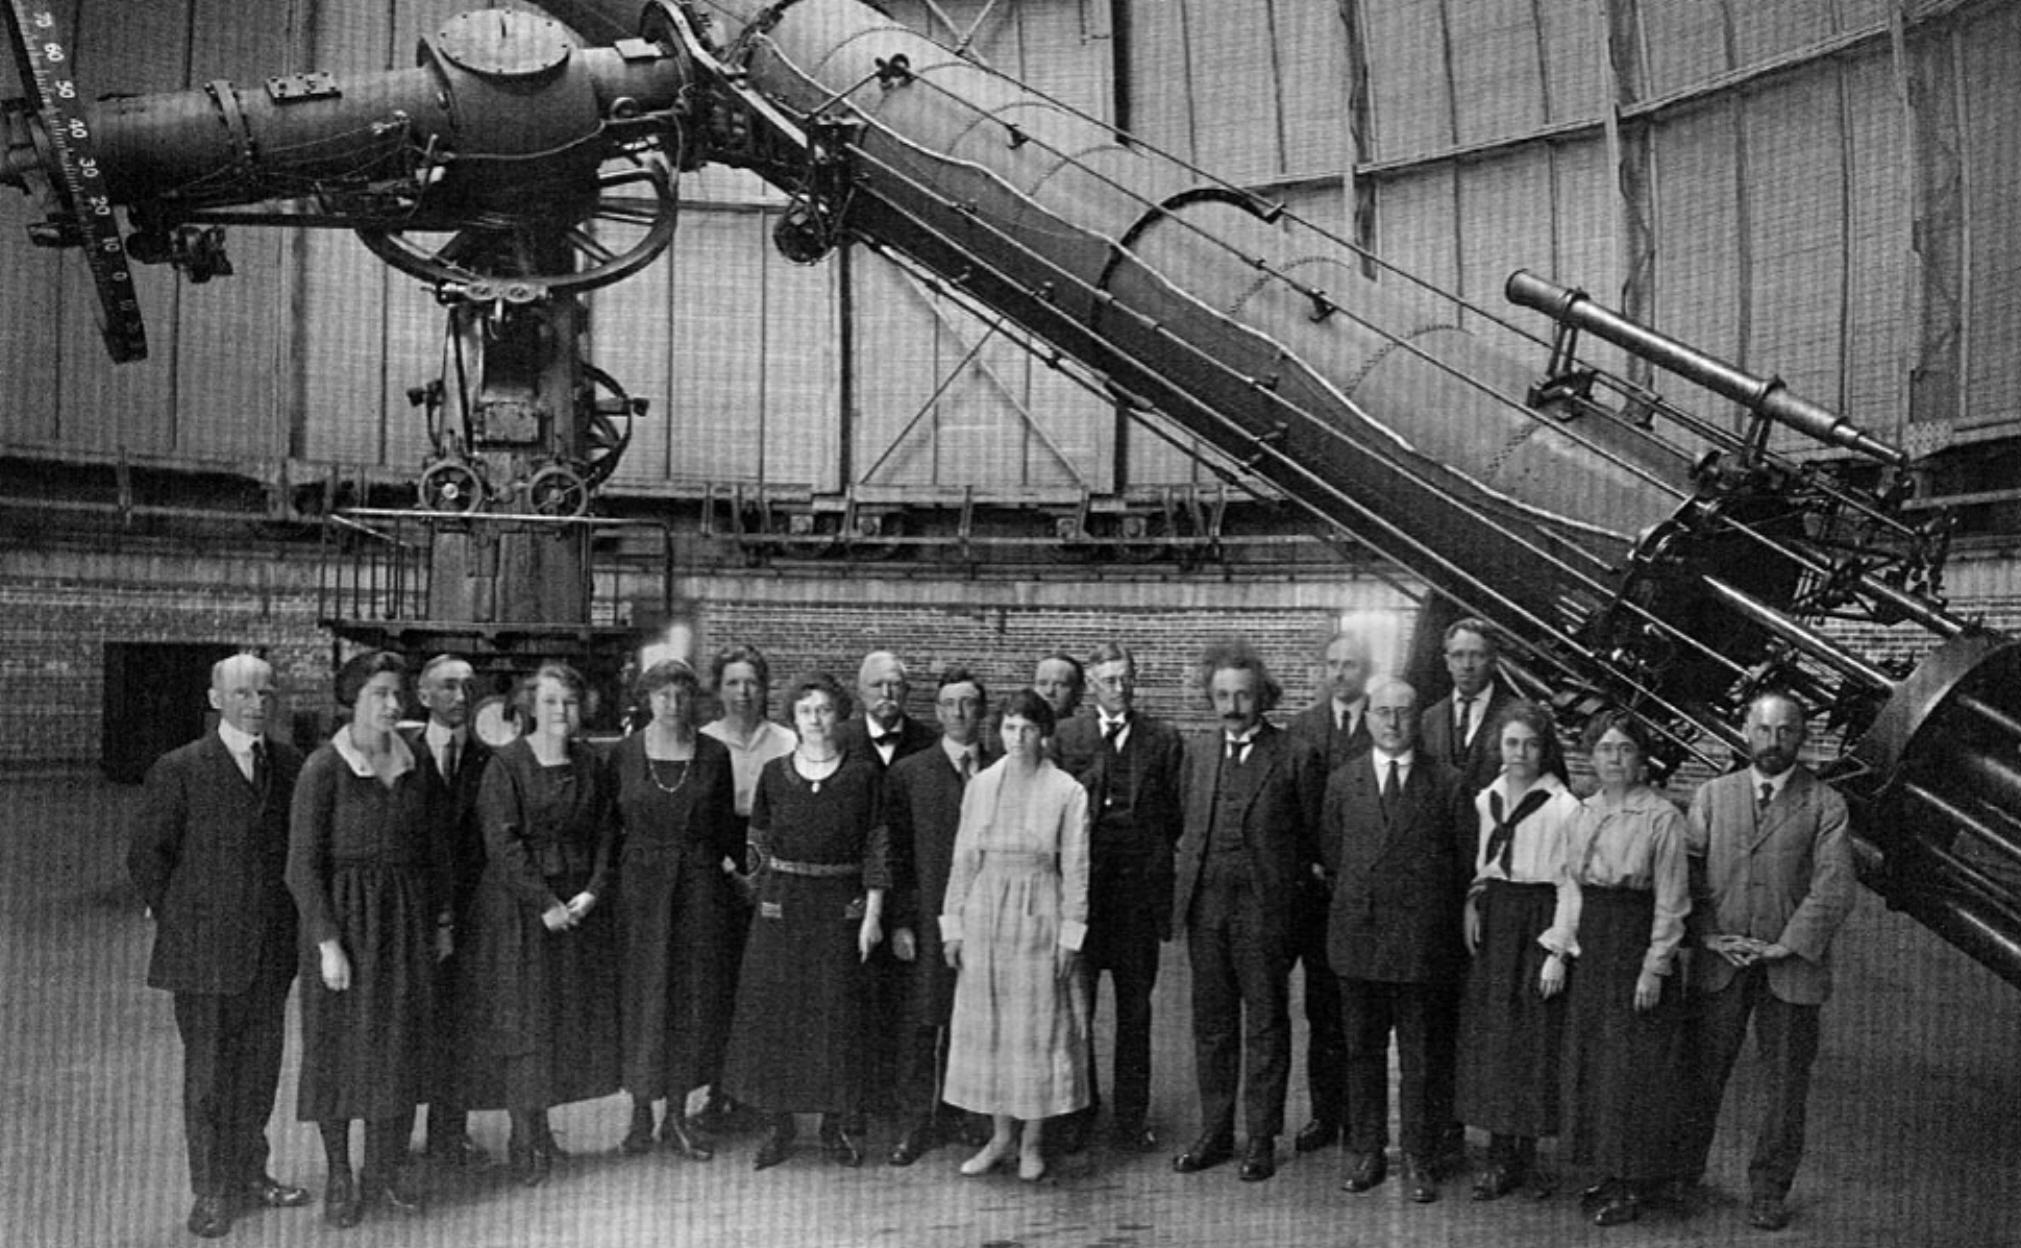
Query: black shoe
point(458, 1150)
point(1767, 1213)
point(1315, 1135)
point(914, 1144)
point(1365, 1170)
point(1125, 1138)
point(1420, 1179)
point(341, 1206)
point(398, 1193)
point(210, 1217)
point(778, 1146)
point(683, 1138)
point(1259, 1159)
point(1497, 1181)
point(1620, 1205)
point(1204, 1153)
point(267, 1192)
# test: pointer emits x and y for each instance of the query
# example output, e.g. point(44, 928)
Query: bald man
point(209, 848)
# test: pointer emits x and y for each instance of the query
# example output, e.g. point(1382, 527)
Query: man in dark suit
point(453, 763)
point(1398, 844)
point(1252, 807)
point(1130, 764)
point(1459, 728)
point(1459, 731)
point(1337, 727)
point(209, 849)
point(881, 731)
point(1772, 882)
point(922, 803)
point(1060, 680)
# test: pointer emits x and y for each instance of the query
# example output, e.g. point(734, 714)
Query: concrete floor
point(1915, 1122)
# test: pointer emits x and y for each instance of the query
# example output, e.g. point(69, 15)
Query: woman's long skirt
point(1510, 1036)
point(1624, 1068)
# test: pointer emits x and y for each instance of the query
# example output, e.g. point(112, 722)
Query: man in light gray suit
point(1772, 881)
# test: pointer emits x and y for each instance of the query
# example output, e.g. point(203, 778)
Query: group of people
point(862, 914)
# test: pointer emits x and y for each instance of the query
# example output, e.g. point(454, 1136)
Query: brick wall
point(58, 611)
point(1001, 646)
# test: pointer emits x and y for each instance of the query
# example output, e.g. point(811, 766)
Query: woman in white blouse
point(1522, 919)
point(1624, 1016)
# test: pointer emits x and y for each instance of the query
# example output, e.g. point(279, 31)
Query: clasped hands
point(561, 916)
point(1745, 951)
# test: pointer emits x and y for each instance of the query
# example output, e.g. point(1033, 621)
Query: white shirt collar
point(1384, 759)
point(955, 752)
point(237, 740)
point(403, 758)
point(440, 734)
point(1777, 783)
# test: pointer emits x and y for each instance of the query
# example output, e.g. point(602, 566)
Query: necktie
point(1502, 841)
point(260, 765)
point(1460, 731)
point(1767, 796)
point(1340, 724)
point(449, 759)
point(1391, 787)
point(967, 766)
point(1112, 732)
point(1237, 751)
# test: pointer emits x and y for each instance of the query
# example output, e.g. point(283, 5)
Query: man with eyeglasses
point(1398, 840)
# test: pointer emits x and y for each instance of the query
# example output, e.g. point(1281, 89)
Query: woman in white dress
point(1013, 922)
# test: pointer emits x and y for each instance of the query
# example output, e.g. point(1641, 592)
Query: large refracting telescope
point(1634, 553)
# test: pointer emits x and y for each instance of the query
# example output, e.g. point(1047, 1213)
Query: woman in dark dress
point(544, 952)
point(677, 815)
point(1521, 917)
point(819, 849)
point(368, 866)
point(1624, 1017)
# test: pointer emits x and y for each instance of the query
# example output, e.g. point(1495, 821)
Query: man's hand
point(904, 945)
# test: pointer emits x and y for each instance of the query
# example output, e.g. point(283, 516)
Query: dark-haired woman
point(677, 815)
point(820, 852)
point(1522, 916)
point(1012, 923)
point(368, 867)
point(1624, 1014)
point(545, 956)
